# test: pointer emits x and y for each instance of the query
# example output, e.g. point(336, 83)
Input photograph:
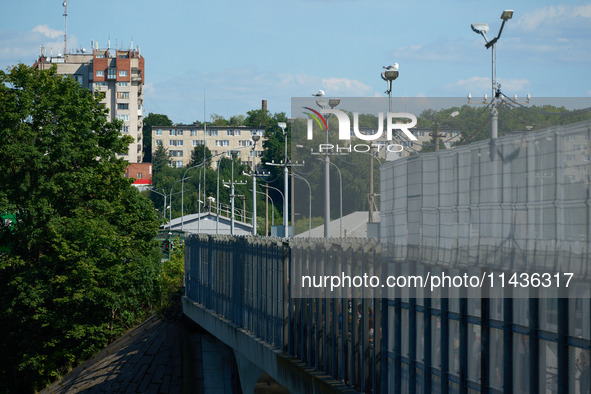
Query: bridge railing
point(246, 281)
point(242, 279)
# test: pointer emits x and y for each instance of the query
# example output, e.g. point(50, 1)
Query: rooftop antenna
point(65, 26)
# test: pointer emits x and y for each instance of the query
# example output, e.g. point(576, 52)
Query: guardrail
point(246, 280)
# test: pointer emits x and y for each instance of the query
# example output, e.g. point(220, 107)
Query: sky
point(224, 57)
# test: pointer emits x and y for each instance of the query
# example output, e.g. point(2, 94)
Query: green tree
point(237, 120)
point(161, 159)
point(257, 118)
point(149, 121)
point(218, 120)
point(83, 263)
point(198, 154)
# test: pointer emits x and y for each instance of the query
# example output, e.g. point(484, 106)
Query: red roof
point(142, 182)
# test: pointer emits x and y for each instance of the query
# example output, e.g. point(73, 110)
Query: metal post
point(254, 194)
point(217, 209)
point(285, 188)
point(494, 115)
point(267, 212)
point(232, 199)
point(292, 201)
point(326, 194)
point(370, 195)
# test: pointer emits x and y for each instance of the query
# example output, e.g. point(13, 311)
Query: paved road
point(156, 357)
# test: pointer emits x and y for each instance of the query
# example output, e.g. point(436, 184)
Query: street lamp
point(255, 138)
point(310, 203)
point(322, 104)
point(283, 125)
point(390, 75)
point(482, 29)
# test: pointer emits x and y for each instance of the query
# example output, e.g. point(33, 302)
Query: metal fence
point(245, 280)
point(443, 342)
point(520, 205)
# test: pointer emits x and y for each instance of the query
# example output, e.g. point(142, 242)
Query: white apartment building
point(180, 141)
point(119, 74)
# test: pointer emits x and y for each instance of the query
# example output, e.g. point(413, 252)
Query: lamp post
point(322, 104)
point(482, 29)
point(272, 204)
point(255, 138)
point(310, 204)
point(282, 196)
point(183, 193)
point(390, 74)
point(283, 125)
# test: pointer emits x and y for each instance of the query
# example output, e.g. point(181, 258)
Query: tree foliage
point(149, 121)
point(198, 154)
point(82, 264)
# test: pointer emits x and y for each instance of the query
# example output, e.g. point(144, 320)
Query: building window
point(125, 129)
point(198, 142)
point(175, 153)
point(171, 132)
point(172, 143)
point(122, 73)
point(212, 133)
point(193, 133)
point(139, 175)
point(122, 84)
point(123, 106)
point(158, 142)
point(245, 143)
point(123, 95)
point(257, 132)
point(222, 142)
point(233, 132)
point(100, 73)
point(111, 73)
point(159, 132)
point(123, 117)
point(179, 132)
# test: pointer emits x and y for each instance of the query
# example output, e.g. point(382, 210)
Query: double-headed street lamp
point(482, 29)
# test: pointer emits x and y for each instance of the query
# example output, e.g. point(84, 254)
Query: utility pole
point(232, 194)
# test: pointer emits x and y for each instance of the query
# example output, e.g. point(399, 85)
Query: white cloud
point(24, 47)
point(48, 31)
point(345, 86)
point(562, 16)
